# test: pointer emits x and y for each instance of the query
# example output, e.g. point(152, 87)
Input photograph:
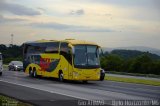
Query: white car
point(1, 64)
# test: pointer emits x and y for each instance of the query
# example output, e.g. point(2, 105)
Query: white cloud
point(77, 12)
point(111, 23)
point(70, 28)
point(4, 20)
point(17, 9)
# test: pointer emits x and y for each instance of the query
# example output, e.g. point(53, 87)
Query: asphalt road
point(49, 91)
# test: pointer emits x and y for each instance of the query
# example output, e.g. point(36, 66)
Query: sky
point(110, 23)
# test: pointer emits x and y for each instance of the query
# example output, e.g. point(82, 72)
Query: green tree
point(13, 52)
point(141, 64)
point(111, 62)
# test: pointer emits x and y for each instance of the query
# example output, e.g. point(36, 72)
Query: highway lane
point(34, 96)
point(49, 89)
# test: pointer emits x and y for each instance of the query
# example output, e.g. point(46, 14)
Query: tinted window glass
point(48, 47)
point(86, 56)
point(93, 55)
point(66, 52)
point(80, 55)
point(52, 47)
point(64, 48)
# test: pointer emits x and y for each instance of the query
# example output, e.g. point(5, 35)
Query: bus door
point(70, 67)
point(65, 50)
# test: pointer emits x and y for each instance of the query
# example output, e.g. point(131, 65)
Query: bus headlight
point(75, 74)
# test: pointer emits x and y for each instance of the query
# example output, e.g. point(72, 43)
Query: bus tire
point(0, 73)
point(85, 81)
point(61, 79)
point(34, 72)
point(30, 72)
point(102, 76)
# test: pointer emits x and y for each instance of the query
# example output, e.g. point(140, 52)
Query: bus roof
point(40, 41)
point(75, 42)
point(71, 41)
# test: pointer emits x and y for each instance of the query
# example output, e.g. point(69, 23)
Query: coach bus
point(1, 64)
point(67, 59)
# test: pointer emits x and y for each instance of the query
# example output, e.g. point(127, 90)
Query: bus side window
point(37, 59)
point(52, 47)
point(30, 59)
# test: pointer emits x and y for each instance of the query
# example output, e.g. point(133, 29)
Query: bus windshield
point(86, 56)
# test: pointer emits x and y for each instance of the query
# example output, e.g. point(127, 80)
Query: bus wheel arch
point(60, 76)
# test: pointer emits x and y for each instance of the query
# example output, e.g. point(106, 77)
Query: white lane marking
point(46, 90)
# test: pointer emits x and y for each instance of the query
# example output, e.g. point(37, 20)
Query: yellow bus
point(67, 59)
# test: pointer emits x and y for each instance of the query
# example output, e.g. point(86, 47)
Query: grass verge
point(7, 101)
point(133, 80)
point(5, 66)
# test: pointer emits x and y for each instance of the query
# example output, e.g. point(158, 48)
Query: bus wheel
point(34, 74)
point(61, 77)
point(85, 82)
point(30, 73)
